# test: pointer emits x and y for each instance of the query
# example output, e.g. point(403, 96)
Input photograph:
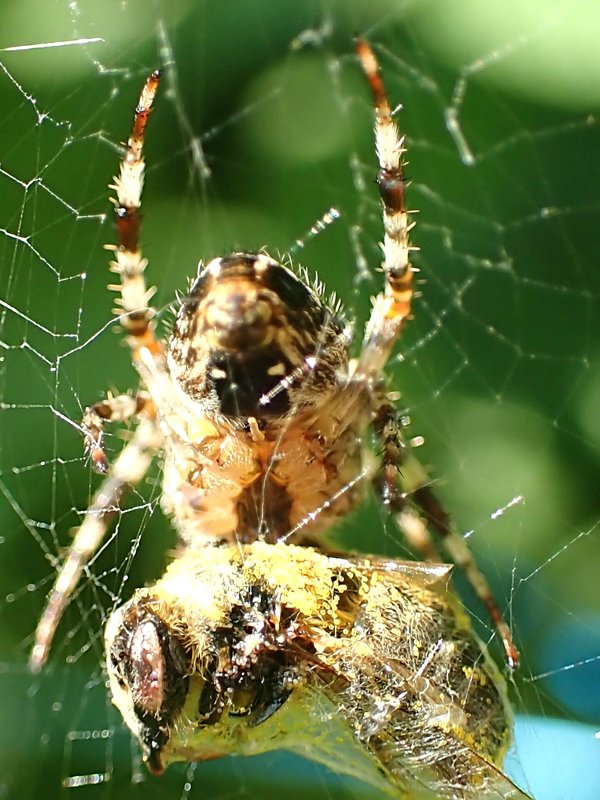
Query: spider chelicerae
point(262, 420)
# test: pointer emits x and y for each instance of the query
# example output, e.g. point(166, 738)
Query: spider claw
point(99, 460)
point(94, 449)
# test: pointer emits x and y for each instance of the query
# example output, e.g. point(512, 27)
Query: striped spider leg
point(147, 352)
point(390, 311)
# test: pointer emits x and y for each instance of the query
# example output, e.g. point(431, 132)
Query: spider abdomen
point(252, 339)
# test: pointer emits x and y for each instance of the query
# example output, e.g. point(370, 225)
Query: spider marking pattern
point(261, 418)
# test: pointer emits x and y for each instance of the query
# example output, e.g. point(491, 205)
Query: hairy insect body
point(269, 636)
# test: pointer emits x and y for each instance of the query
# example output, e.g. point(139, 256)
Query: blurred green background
point(263, 124)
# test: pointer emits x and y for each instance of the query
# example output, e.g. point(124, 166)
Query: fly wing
point(416, 686)
point(418, 573)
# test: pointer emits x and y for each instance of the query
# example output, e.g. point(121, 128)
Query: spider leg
point(439, 519)
point(128, 469)
point(112, 409)
point(393, 306)
point(434, 517)
point(388, 484)
point(390, 310)
point(136, 313)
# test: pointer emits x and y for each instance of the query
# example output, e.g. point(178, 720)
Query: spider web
point(262, 136)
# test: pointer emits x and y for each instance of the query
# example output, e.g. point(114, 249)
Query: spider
point(262, 420)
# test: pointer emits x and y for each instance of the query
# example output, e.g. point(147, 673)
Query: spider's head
point(253, 340)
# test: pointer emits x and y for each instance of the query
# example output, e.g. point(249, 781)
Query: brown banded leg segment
point(393, 447)
point(388, 481)
point(113, 409)
point(439, 520)
point(390, 310)
point(432, 516)
point(393, 306)
point(135, 312)
point(128, 470)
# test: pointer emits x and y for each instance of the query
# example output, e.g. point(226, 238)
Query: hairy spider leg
point(393, 306)
point(438, 519)
point(135, 312)
point(390, 310)
point(432, 516)
point(129, 468)
point(136, 317)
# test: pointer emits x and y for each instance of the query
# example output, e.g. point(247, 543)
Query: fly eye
point(148, 660)
point(146, 668)
point(136, 661)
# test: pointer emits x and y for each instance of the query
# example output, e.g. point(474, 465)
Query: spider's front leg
point(136, 314)
point(392, 308)
point(439, 520)
point(390, 311)
point(128, 470)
